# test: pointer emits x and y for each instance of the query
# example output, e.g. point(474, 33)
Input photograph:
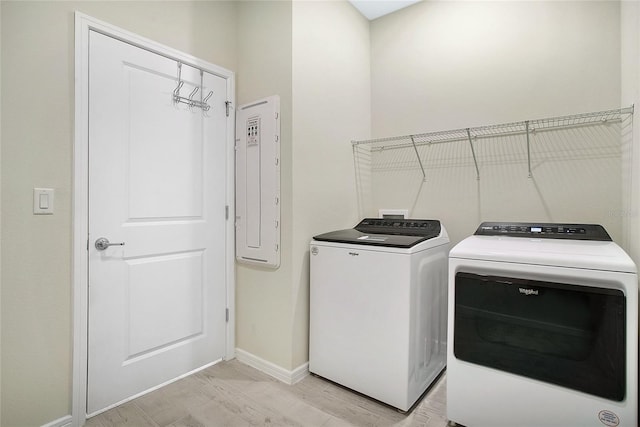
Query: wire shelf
point(473, 134)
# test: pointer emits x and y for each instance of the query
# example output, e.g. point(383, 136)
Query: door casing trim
point(84, 24)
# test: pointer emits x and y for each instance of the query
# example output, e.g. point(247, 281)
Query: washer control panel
point(544, 230)
point(407, 227)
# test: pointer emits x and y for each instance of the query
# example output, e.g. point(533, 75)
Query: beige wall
point(37, 137)
point(450, 65)
point(0, 218)
point(331, 99)
point(630, 94)
point(263, 296)
point(453, 64)
point(315, 55)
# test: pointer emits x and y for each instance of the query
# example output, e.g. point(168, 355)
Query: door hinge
point(226, 315)
point(228, 106)
point(226, 212)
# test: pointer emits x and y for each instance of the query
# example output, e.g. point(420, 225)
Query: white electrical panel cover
point(258, 182)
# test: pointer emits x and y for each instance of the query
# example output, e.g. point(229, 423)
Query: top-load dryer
point(378, 303)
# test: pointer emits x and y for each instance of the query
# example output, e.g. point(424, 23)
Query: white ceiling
point(373, 9)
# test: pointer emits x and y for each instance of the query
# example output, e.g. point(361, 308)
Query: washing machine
point(378, 301)
point(543, 328)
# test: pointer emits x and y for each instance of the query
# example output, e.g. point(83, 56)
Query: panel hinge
point(228, 106)
point(226, 315)
point(226, 212)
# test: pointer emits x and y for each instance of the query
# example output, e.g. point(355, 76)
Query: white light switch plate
point(43, 201)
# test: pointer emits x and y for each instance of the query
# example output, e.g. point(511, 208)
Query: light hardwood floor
point(233, 394)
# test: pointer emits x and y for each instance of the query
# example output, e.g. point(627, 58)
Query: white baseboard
point(60, 422)
point(279, 373)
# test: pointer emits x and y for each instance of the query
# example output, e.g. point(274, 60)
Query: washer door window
point(572, 336)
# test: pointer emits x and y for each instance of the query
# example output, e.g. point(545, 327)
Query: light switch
point(43, 201)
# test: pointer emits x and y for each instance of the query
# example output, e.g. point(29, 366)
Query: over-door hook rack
point(190, 101)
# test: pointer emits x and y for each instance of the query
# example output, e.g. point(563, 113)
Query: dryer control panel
point(544, 230)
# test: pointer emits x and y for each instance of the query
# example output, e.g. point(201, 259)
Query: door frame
point(80, 193)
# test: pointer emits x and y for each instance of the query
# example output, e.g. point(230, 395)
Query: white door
point(157, 184)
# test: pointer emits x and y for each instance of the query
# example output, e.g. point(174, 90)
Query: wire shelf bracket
point(473, 153)
point(424, 175)
point(528, 148)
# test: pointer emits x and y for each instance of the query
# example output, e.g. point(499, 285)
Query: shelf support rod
point(473, 152)
point(424, 175)
point(526, 124)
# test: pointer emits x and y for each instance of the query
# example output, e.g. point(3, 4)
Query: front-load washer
point(543, 328)
point(378, 307)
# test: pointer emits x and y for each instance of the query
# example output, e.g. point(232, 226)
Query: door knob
point(103, 243)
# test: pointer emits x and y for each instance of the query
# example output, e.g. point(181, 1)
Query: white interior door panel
point(157, 184)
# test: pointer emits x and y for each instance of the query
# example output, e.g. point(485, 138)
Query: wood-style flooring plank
point(278, 397)
point(233, 394)
point(173, 402)
point(125, 415)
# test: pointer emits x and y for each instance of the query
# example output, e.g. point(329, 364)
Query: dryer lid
point(584, 254)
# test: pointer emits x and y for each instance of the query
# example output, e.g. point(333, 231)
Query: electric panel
point(258, 182)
